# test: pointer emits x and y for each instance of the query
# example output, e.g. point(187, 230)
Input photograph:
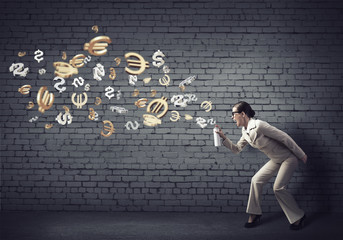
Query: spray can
point(217, 142)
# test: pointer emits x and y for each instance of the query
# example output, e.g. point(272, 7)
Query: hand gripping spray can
point(217, 142)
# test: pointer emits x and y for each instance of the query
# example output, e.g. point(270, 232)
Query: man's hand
point(220, 132)
point(304, 159)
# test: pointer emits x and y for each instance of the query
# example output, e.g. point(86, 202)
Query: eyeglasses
point(233, 113)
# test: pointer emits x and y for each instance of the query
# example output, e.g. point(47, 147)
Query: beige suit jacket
point(276, 144)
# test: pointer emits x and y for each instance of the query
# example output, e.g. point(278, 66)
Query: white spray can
point(217, 142)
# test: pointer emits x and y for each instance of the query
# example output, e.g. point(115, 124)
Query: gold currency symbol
point(153, 93)
point(44, 99)
point(165, 80)
point(79, 100)
point(95, 28)
point(141, 103)
point(48, 126)
point(91, 115)
point(96, 46)
point(30, 105)
point(66, 109)
point(188, 117)
point(64, 70)
point(147, 80)
point(151, 120)
point(78, 60)
point(182, 88)
point(97, 101)
point(113, 74)
point(206, 105)
point(21, 54)
point(64, 55)
point(162, 102)
point(140, 63)
point(117, 60)
point(175, 116)
point(24, 89)
point(109, 129)
point(135, 93)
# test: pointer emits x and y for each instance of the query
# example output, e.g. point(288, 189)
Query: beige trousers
point(284, 172)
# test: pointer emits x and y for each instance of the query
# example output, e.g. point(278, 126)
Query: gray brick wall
point(283, 57)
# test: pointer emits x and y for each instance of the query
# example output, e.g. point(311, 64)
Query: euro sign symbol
point(64, 70)
point(158, 56)
point(132, 126)
point(80, 101)
point(18, 69)
point(78, 61)
point(78, 82)
point(25, 89)
point(109, 90)
point(158, 104)
point(109, 129)
point(206, 105)
point(44, 99)
point(165, 80)
point(96, 46)
point(140, 63)
point(57, 85)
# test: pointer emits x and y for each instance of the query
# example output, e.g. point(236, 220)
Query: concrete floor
point(161, 226)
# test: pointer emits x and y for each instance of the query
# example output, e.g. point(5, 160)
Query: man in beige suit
point(283, 153)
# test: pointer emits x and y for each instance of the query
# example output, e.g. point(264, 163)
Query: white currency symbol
point(179, 101)
point(109, 90)
point(201, 122)
point(166, 69)
point(96, 115)
point(132, 80)
point(42, 71)
point(57, 85)
point(33, 119)
point(87, 59)
point(98, 72)
point(211, 121)
point(79, 81)
point(158, 57)
point(18, 69)
point(191, 97)
point(132, 126)
point(87, 87)
point(38, 56)
point(119, 95)
point(66, 118)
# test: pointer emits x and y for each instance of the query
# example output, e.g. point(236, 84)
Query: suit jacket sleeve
point(282, 137)
point(235, 148)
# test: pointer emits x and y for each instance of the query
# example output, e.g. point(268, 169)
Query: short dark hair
point(245, 107)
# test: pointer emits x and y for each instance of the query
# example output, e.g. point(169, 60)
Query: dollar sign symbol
point(109, 90)
point(38, 56)
point(18, 69)
point(66, 118)
point(57, 85)
point(158, 57)
point(79, 81)
point(132, 126)
point(87, 87)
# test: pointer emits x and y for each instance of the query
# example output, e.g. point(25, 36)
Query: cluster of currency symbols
point(136, 65)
